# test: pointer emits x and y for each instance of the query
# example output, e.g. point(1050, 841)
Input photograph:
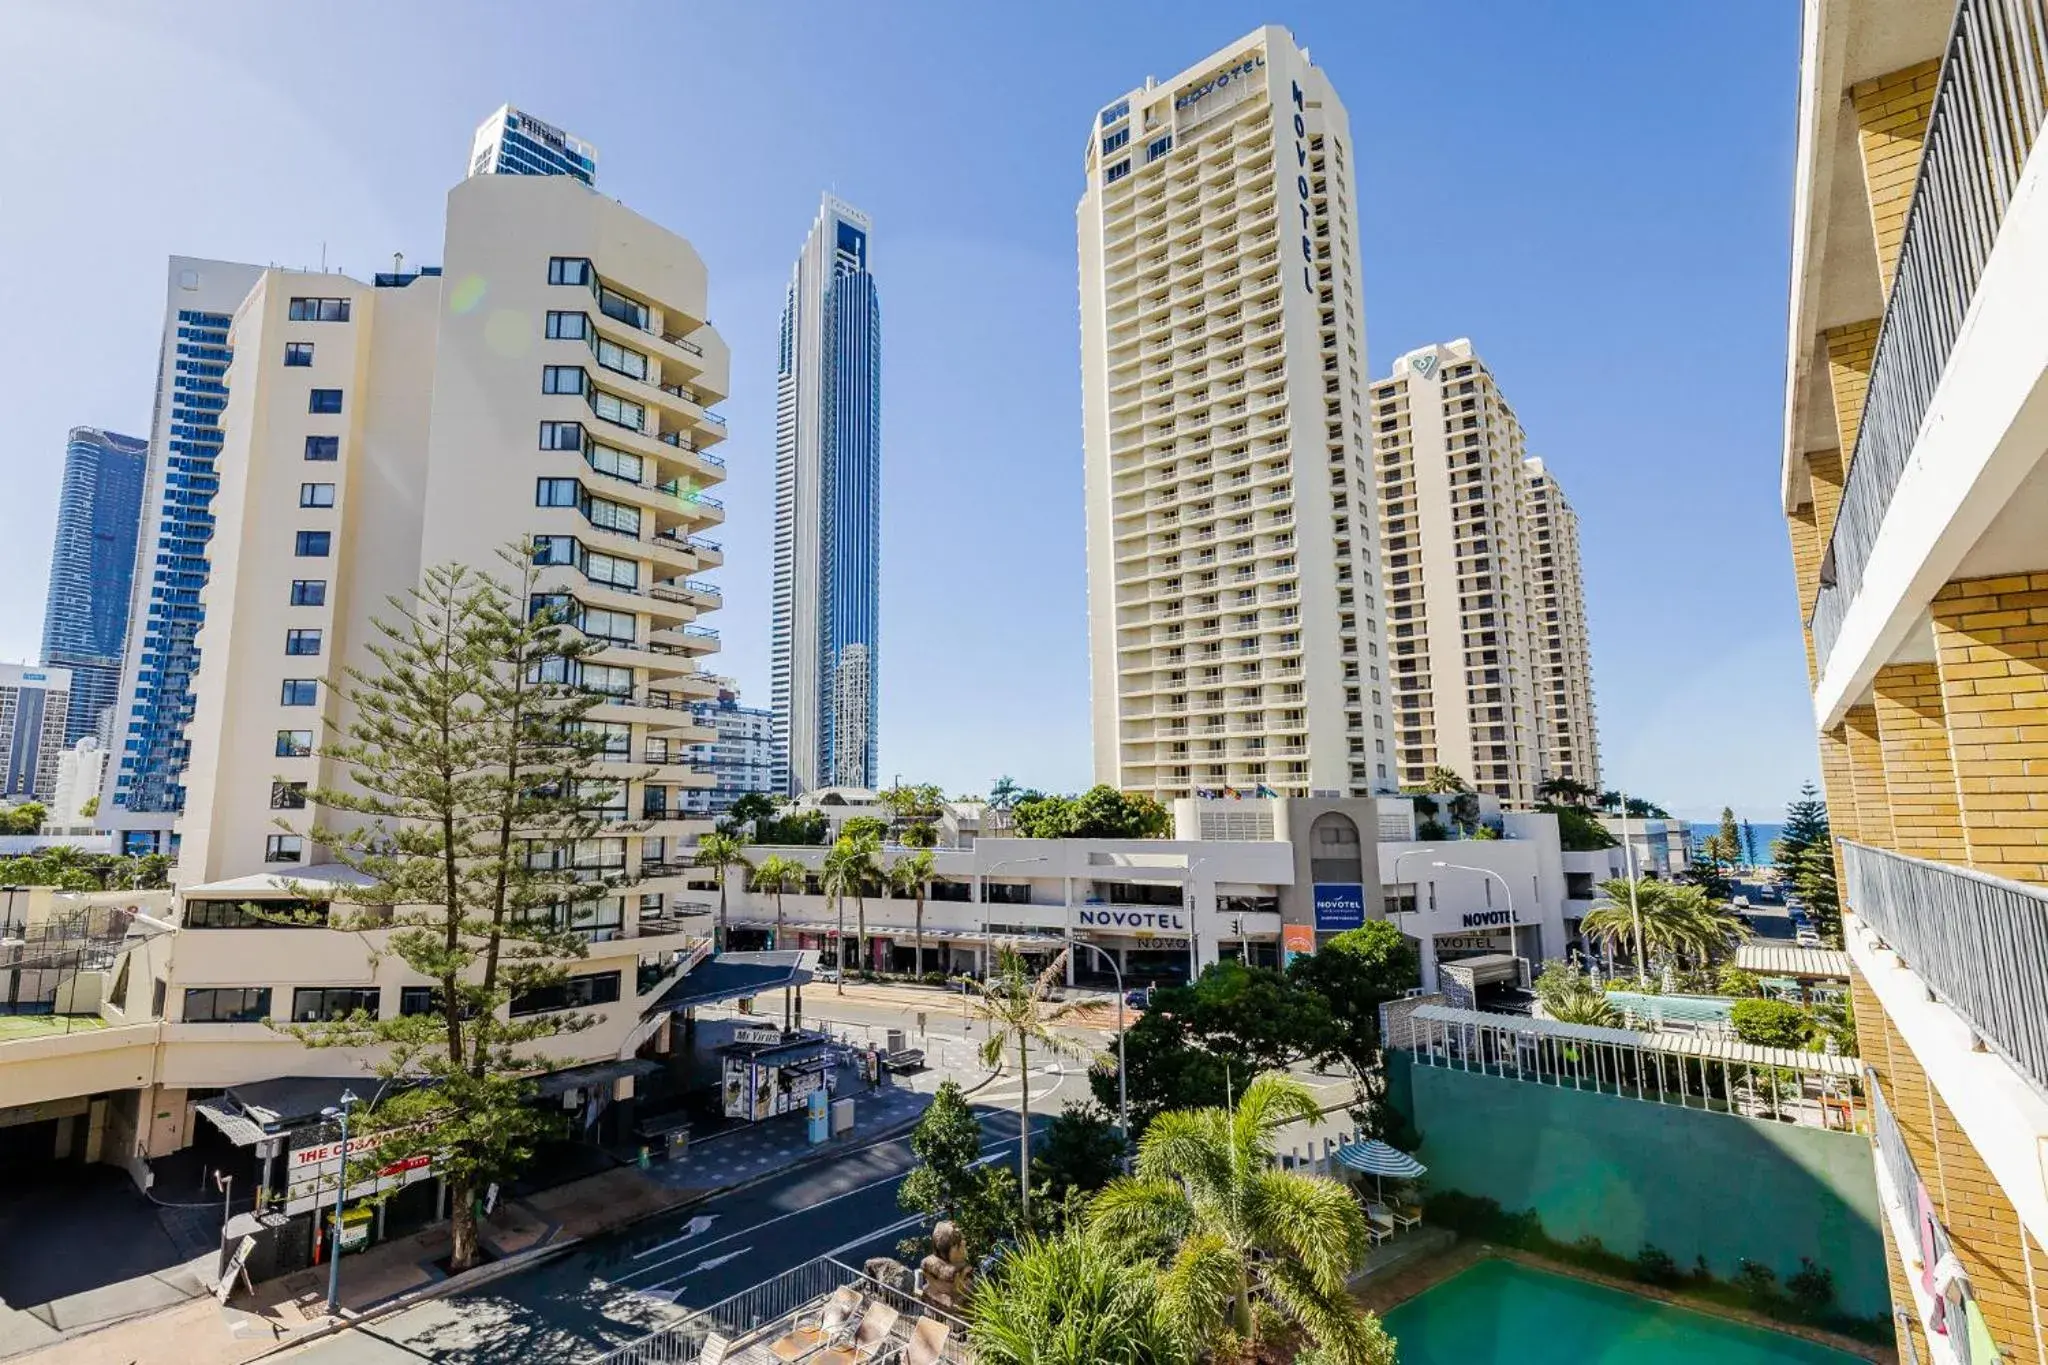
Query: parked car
point(1140, 998)
point(1807, 938)
point(1742, 902)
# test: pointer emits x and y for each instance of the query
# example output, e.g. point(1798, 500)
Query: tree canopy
point(1101, 812)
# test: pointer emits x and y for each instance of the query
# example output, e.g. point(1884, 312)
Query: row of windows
point(317, 310)
point(322, 1004)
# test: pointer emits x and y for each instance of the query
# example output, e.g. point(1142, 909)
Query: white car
point(1742, 902)
point(1806, 938)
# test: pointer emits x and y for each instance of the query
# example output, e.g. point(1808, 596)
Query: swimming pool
point(1501, 1311)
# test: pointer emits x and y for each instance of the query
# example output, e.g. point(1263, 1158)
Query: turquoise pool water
point(1499, 1311)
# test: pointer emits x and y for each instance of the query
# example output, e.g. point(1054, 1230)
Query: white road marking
point(701, 1223)
point(898, 1226)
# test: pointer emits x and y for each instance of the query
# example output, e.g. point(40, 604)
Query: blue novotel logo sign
point(1339, 906)
point(1220, 80)
point(1158, 921)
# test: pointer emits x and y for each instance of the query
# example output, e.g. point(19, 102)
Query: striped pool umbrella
point(1377, 1159)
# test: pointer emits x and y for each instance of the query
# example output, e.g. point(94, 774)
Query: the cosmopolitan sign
point(1339, 906)
point(1141, 921)
point(1221, 80)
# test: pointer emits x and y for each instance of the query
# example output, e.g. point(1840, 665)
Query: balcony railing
point(1979, 943)
point(1987, 114)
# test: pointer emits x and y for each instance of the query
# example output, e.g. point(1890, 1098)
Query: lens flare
point(468, 292)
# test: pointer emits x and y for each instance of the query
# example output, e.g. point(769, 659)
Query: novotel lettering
point(1221, 79)
point(1481, 918)
point(1134, 919)
point(1308, 246)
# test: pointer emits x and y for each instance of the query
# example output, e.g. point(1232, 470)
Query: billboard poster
point(1296, 940)
point(1339, 906)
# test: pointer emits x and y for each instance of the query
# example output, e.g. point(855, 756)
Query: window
point(317, 310)
point(227, 1005)
point(283, 848)
point(320, 1004)
point(556, 492)
point(615, 409)
point(298, 353)
point(416, 1000)
point(613, 356)
point(568, 326)
point(323, 447)
point(316, 495)
point(324, 400)
point(313, 544)
point(309, 592)
point(561, 379)
point(616, 305)
point(237, 914)
point(578, 992)
point(1115, 140)
point(294, 743)
point(1117, 172)
point(304, 642)
point(616, 463)
point(300, 692)
point(568, 270)
point(1159, 147)
point(614, 516)
point(561, 436)
point(287, 796)
point(554, 549)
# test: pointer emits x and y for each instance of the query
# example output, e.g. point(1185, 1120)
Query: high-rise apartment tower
point(1235, 637)
point(33, 705)
point(146, 768)
point(92, 571)
point(511, 142)
point(828, 524)
point(1557, 628)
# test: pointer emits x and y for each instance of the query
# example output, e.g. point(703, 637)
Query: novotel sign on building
point(1221, 80)
point(1154, 921)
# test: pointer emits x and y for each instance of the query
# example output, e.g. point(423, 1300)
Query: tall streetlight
point(981, 894)
point(1635, 913)
point(331, 1113)
point(1123, 1106)
point(1194, 938)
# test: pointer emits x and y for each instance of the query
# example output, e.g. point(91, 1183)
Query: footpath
point(292, 1309)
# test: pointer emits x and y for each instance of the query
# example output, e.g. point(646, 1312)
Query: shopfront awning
point(735, 976)
point(1801, 964)
point(558, 1083)
point(237, 1127)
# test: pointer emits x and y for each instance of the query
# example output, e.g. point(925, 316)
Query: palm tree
point(1207, 1194)
point(721, 853)
point(1568, 997)
point(912, 876)
point(1004, 793)
point(1678, 921)
point(1443, 779)
point(849, 867)
point(1013, 1005)
point(1075, 1300)
point(777, 874)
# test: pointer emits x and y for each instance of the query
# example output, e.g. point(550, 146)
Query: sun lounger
point(807, 1337)
point(927, 1342)
point(875, 1326)
point(1391, 1217)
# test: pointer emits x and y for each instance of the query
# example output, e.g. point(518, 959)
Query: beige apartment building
point(1564, 649)
point(1915, 487)
point(1480, 557)
point(1235, 635)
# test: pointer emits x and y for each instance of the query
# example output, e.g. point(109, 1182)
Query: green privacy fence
point(1691, 1182)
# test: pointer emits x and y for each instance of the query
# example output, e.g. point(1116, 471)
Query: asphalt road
point(613, 1289)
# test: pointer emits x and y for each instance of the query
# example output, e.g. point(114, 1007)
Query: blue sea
point(1765, 834)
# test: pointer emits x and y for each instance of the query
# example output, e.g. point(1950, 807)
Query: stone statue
point(947, 1276)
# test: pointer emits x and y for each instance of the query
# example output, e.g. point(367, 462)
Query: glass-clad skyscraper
point(511, 142)
point(828, 526)
point(92, 570)
point(145, 779)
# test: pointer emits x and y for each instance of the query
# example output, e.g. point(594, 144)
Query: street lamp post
point(331, 1113)
point(981, 894)
point(1123, 1105)
point(1194, 935)
point(1635, 913)
point(1506, 890)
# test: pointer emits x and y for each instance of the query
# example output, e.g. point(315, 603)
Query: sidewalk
point(202, 1332)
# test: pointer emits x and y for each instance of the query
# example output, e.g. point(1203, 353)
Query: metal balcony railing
point(1980, 944)
point(1988, 111)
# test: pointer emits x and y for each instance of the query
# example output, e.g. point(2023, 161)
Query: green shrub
point(1758, 1283)
point(1771, 1023)
point(1431, 831)
point(1653, 1265)
point(1812, 1288)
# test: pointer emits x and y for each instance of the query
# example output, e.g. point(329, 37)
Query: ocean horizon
point(1767, 832)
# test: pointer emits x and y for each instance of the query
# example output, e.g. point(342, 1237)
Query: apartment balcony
point(1917, 405)
point(1959, 962)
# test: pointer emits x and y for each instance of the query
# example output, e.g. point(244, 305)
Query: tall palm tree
point(1678, 922)
point(1442, 779)
point(849, 868)
point(1207, 1196)
point(1004, 793)
point(777, 874)
point(912, 876)
point(1076, 1300)
point(1014, 1006)
point(721, 853)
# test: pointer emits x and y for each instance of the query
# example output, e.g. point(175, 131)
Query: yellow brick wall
point(1840, 789)
point(1991, 636)
point(1849, 349)
point(1891, 124)
point(2001, 1257)
point(1866, 776)
point(1919, 778)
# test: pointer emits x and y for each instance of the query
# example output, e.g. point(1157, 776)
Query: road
point(616, 1288)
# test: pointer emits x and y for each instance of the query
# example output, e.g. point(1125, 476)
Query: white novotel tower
point(1234, 627)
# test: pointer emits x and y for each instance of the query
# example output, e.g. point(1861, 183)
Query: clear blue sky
point(1599, 197)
